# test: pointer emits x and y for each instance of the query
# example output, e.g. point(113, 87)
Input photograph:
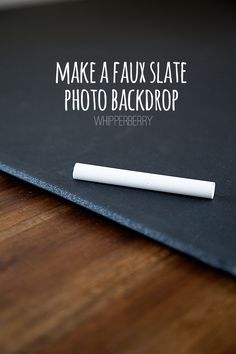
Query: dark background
point(40, 143)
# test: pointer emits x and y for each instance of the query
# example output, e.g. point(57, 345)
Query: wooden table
point(74, 282)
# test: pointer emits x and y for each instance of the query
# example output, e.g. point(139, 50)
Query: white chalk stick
point(143, 180)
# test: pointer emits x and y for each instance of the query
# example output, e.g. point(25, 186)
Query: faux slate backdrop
point(40, 142)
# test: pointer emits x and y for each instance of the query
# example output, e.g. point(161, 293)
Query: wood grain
point(73, 282)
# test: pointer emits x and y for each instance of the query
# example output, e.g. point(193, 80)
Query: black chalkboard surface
point(40, 141)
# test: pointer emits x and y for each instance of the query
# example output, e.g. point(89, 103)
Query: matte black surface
point(40, 143)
